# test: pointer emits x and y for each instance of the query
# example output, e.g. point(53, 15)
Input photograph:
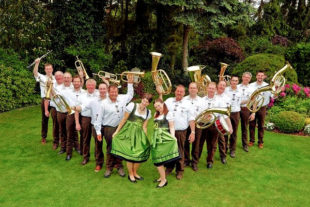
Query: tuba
point(160, 77)
point(137, 74)
point(277, 82)
point(223, 77)
point(111, 77)
point(207, 117)
point(201, 80)
point(80, 67)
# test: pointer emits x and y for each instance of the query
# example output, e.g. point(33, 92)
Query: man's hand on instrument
point(37, 61)
point(130, 78)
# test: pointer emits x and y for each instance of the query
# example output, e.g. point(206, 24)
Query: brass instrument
point(223, 77)
point(111, 77)
point(80, 67)
point(201, 80)
point(277, 82)
point(43, 56)
point(137, 74)
point(62, 104)
point(207, 117)
point(160, 77)
point(49, 92)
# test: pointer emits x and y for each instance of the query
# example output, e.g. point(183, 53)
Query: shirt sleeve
point(169, 116)
point(130, 92)
point(130, 107)
point(40, 78)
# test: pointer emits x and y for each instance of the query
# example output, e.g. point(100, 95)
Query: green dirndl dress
point(131, 143)
point(164, 148)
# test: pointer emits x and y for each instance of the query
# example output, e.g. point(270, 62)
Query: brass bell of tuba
point(111, 77)
point(201, 80)
point(207, 117)
point(137, 74)
point(80, 67)
point(277, 82)
point(223, 77)
point(160, 77)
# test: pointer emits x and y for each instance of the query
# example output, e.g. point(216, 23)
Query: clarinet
point(43, 56)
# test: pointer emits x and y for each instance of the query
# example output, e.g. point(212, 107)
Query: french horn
point(80, 67)
point(160, 77)
point(207, 117)
point(201, 80)
point(277, 82)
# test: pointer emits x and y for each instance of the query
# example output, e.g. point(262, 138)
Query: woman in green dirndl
point(129, 140)
point(164, 147)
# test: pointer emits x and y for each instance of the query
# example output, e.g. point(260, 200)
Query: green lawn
point(34, 175)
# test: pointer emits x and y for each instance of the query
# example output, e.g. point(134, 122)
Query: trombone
point(80, 67)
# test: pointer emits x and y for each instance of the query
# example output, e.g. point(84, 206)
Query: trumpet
point(160, 77)
point(223, 77)
point(201, 80)
point(137, 74)
point(80, 67)
point(277, 82)
point(207, 117)
point(111, 77)
point(43, 56)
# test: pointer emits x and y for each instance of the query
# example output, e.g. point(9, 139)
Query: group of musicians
point(104, 113)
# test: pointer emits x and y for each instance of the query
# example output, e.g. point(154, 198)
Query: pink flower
point(296, 88)
point(270, 104)
point(307, 91)
point(282, 94)
point(283, 89)
point(287, 86)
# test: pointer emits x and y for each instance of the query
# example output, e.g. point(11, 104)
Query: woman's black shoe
point(156, 181)
point(158, 186)
point(133, 181)
point(140, 178)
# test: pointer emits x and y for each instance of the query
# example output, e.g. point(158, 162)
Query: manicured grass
point(34, 175)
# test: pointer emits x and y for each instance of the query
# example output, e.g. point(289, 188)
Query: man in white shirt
point(194, 102)
point(111, 113)
point(223, 101)
point(259, 116)
point(72, 97)
point(59, 76)
point(234, 94)
point(42, 79)
point(246, 92)
point(86, 128)
point(210, 134)
point(180, 110)
point(62, 114)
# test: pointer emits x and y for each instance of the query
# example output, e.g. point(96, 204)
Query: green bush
point(289, 121)
point(17, 88)
point(293, 103)
point(148, 84)
point(269, 63)
point(299, 57)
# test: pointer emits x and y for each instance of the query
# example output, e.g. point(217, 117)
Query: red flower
point(282, 94)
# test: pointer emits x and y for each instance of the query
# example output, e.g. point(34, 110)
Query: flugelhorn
point(137, 75)
point(62, 104)
point(277, 82)
point(43, 56)
point(223, 77)
point(80, 67)
point(201, 80)
point(207, 117)
point(111, 77)
point(160, 77)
